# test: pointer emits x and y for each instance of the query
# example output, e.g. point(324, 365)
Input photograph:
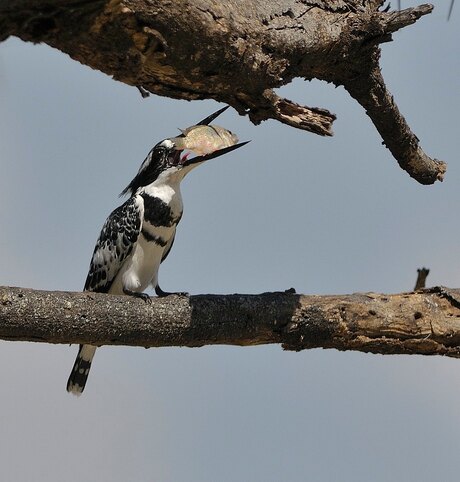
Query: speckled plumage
point(115, 243)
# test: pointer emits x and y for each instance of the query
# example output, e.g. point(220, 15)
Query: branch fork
point(204, 49)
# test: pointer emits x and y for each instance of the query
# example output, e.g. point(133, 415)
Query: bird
point(138, 235)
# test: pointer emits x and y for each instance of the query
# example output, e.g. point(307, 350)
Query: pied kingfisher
point(138, 235)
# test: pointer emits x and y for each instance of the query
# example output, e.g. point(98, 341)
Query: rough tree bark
point(425, 322)
point(236, 52)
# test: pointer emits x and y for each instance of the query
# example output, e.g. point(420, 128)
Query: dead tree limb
point(236, 52)
point(422, 274)
point(425, 322)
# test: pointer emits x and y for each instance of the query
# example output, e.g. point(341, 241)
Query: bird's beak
point(207, 120)
point(213, 155)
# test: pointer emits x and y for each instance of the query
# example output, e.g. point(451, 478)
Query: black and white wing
point(168, 247)
point(115, 243)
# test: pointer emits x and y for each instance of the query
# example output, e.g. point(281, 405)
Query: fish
point(205, 139)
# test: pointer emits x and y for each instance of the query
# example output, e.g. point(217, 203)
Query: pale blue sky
point(290, 209)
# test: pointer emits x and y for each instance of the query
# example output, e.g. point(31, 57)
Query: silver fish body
point(205, 139)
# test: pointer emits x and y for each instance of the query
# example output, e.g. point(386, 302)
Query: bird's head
point(169, 160)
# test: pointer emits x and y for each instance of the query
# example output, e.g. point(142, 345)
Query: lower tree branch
point(425, 322)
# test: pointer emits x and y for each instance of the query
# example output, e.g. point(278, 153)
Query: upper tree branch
point(236, 52)
point(426, 322)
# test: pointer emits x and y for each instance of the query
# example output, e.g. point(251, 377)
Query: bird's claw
point(142, 296)
point(181, 293)
point(177, 293)
point(146, 298)
point(161, 294)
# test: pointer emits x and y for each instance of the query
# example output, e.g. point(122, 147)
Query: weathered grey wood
point(425, 322)
point(237, 52)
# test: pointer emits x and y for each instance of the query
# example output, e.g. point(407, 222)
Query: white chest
point(169, 193)
point(161, 209)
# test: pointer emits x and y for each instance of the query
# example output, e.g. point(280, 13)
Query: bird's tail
point(79, 375)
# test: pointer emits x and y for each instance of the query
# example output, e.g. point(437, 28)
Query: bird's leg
point(161, 294)
point(143, 296)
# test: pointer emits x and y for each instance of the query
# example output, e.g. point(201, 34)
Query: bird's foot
point(142, 296)
point(161, 294)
